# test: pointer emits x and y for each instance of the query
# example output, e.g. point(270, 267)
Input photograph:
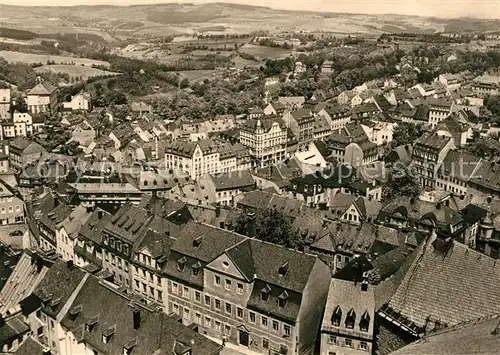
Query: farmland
point(197, 75)
point(30, 58)
point(75, 71)
point(265, 52)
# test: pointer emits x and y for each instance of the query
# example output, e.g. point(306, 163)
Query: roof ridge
point(463, 325)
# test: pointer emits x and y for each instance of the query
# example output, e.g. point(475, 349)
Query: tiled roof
point(30, 346)
point(233, 180)
point(347, 237)
point(266, 123)
point(460, 164)
point(57, 286)
point(345, 297)
point(42, 89)
point(113, 314)
point(13, 328)
point(479, 337)
point(433, 141)
point(75, 220)
point(448, 287)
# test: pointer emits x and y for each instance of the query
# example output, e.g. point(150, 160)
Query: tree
point(271, 226)
point(401, 183)
point(405, 133)
point(184, 83)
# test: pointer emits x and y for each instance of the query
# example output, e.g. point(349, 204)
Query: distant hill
point(239, 18)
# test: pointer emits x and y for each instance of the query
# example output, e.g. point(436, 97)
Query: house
point(228, 187)
point(13, 330)
point(349, 318)
point(23, 152)
point(292, 102)
point(452, 57)
point(348, 208)
point(205, 157)
point(67, 231)
point(452, 128)
point(428, 155)
point(380, 132)
point(300, 68)
point(450, 81)
point(457, 169)
point(5, 98)
point(23, 124)
point(4, 163)
point(275, 109)
point(81, 101)
point(351, 149)
point(439, 109)
point(425, 90)
point(123, 135)
point(346, 97)
point(106, 195)
point(140, 108)
point(42, 98)
point(462, 292)
point(12, 210)
point(301, 122)
point(337, 115)
point(476, 336)
point(327, 67)
point(418, 115)
point(256, 113)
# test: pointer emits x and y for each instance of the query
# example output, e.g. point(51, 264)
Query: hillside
point(111, 22)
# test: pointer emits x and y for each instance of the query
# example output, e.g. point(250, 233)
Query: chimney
point(46, 351)
point(217, 210)
point(100, 214)
point(251, 224)
point(69, 263)
point(136, 317)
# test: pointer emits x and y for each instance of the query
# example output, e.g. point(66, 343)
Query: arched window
point(336, 316)
point(364, 323)
point(350, 319)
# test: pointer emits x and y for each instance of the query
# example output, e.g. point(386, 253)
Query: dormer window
point(91, 322)
point(350, 319)
point(196, 268)
point(264, 293)
point(107, 333)
point(282, 299)
point(284, 269)
point(197, 242)
point(75, 311)
point(54, 303)
point(128, 346)
point(336, 316)
point(364, 323)
point(181, 263)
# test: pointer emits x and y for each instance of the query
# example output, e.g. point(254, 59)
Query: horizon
point(447, 9)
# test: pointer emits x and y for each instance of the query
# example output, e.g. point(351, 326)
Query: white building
point(80, 101)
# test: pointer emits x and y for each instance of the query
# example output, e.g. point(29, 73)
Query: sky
point(437, 8)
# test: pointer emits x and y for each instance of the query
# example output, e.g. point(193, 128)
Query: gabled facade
point(42, 98)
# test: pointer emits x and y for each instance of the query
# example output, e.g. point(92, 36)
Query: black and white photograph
point(237, 177)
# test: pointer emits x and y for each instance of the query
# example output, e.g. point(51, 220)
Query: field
point(197, 75)
point(84, 72)
point(30, 58)
point(263, 52)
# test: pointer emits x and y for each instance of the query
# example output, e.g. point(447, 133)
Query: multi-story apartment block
point(301, 122)
point(42, 98)
point(203, 157)
point(257, 295)
point(338, 116)
point(348, 322)
point(11, 206)
point(429, 153)
point(265, 139)
point(23, 152)
point(456, 171)
point(48, 225)
point(23, 123)
point(439, 110)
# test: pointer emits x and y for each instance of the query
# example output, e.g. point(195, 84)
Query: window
point(217, 280)
point(363, 345)
point(197, 296)
point(217, 304)
point(276, 326)
point(336, 316)
point(350, 319)
point(175, 288)
point(332, 339)
point(348, 343)
point(228, 308)
point(227, 329)
point(239, 312)
point(264, 321)
point(198, 318)
point(265, 343)
point(286, 329)
point(264, 293)
point(228, 284)
point(364, 323)
point(217, 325)
point(159, 295)
point(239, 288)
point(176, 308)
point(185, 292)
point(332, 353)
point(207, 300)
point(208, 322)
point(186, 313)
point(252, 317)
